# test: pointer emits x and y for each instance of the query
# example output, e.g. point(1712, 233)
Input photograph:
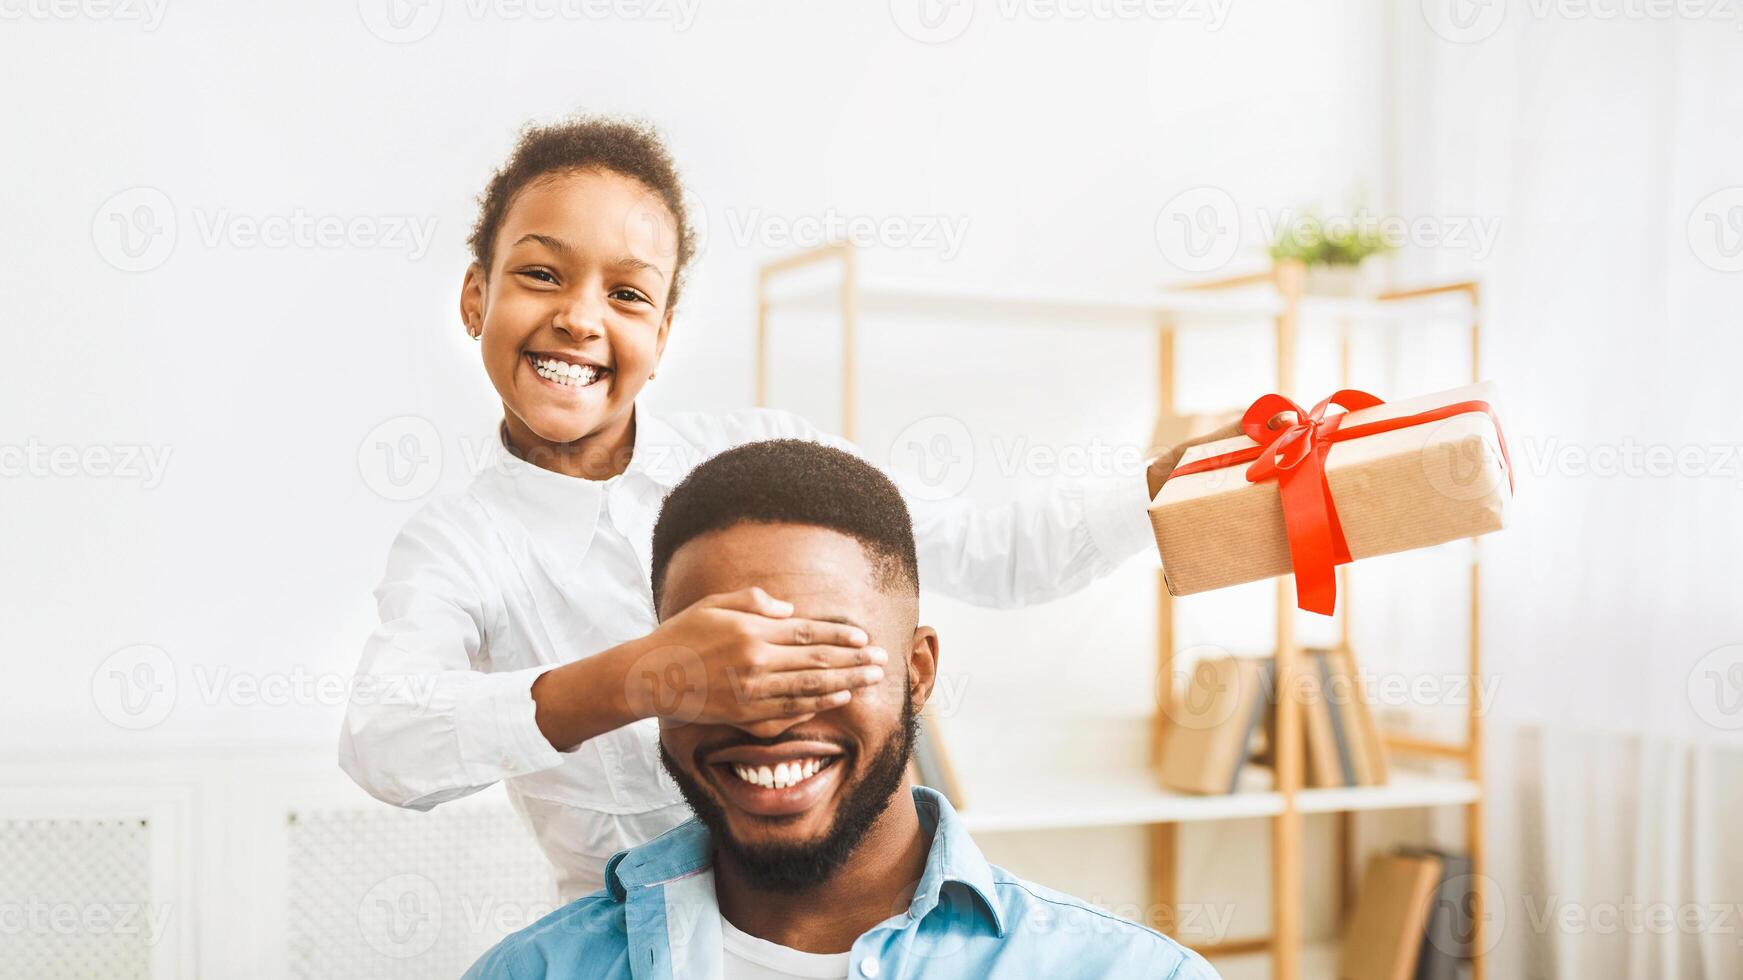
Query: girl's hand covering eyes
point(742, 657)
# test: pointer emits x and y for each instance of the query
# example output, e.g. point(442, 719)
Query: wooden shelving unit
point(1124, 791)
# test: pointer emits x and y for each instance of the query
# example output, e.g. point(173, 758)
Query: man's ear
point(472, 290)
point(922, 665)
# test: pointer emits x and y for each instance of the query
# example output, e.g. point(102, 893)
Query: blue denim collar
point(687, 849)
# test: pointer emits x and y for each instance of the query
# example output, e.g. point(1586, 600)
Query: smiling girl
point(519, 611)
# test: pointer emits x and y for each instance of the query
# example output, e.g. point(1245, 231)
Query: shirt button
point(868, 967)
point(508, 764)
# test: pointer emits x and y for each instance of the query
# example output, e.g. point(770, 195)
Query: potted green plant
point(1334, 250)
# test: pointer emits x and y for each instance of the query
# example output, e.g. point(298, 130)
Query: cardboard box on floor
point(1394, 491)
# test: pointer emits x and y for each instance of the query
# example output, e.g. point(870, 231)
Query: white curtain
point(1607, 139)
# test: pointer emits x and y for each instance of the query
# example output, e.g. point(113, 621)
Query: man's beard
point(801, 867)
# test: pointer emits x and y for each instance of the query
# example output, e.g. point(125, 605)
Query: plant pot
point(1340, 281)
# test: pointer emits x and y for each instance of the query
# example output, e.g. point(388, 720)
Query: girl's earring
point(650, 375)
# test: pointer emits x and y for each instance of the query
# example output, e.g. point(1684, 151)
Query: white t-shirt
point(527, 570)
point(749, 958)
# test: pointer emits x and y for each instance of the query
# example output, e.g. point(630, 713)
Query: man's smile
point(776, 780)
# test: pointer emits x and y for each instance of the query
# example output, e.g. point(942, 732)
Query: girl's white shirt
point(527, 570)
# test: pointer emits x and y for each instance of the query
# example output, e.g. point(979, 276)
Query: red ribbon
point(1295, 457)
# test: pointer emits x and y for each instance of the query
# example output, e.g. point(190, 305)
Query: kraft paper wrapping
point(1394, 491)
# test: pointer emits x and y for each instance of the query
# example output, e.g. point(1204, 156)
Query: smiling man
point(811, 854)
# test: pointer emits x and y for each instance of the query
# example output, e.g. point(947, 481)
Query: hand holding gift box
point(1315, 489)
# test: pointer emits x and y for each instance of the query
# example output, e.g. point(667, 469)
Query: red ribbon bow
point(1295, 457)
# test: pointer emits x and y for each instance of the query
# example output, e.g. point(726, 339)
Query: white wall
point(259, 372)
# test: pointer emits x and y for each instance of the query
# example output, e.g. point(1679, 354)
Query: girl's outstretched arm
point(1050, 542)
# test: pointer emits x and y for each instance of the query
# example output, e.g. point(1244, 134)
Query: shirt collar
point(565, 509)
point(659, 454)
point(953, 860)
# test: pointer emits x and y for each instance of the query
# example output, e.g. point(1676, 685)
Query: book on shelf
point(1354, 718)
point(1211, 728)
point(1451, 918)
point(1328, 757)
point(1340, 741)
point(1384, 937)
point(1227, 717)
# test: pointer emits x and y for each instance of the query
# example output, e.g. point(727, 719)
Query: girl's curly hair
point(582, 143)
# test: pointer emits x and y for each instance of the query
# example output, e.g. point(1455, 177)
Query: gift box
point(1325, 487)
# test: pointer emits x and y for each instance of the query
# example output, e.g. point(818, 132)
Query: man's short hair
point(790, 481)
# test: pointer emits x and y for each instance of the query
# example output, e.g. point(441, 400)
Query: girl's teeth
point(565, 373)
point(783, 774)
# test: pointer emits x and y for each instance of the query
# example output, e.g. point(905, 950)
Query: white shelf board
point(1404, 791)
point(1101, 800)
point(922, 297)
point(1074, 772)
point(1113, 800)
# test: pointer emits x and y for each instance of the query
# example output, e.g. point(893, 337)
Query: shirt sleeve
point(1048, 543)
point(424, 724)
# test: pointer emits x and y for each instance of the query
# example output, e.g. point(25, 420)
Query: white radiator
point(76, 899)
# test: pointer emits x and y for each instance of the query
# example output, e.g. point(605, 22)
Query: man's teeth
point(780, 776)
point(565, 373)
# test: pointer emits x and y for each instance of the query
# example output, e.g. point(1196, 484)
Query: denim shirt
point(657, 918)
